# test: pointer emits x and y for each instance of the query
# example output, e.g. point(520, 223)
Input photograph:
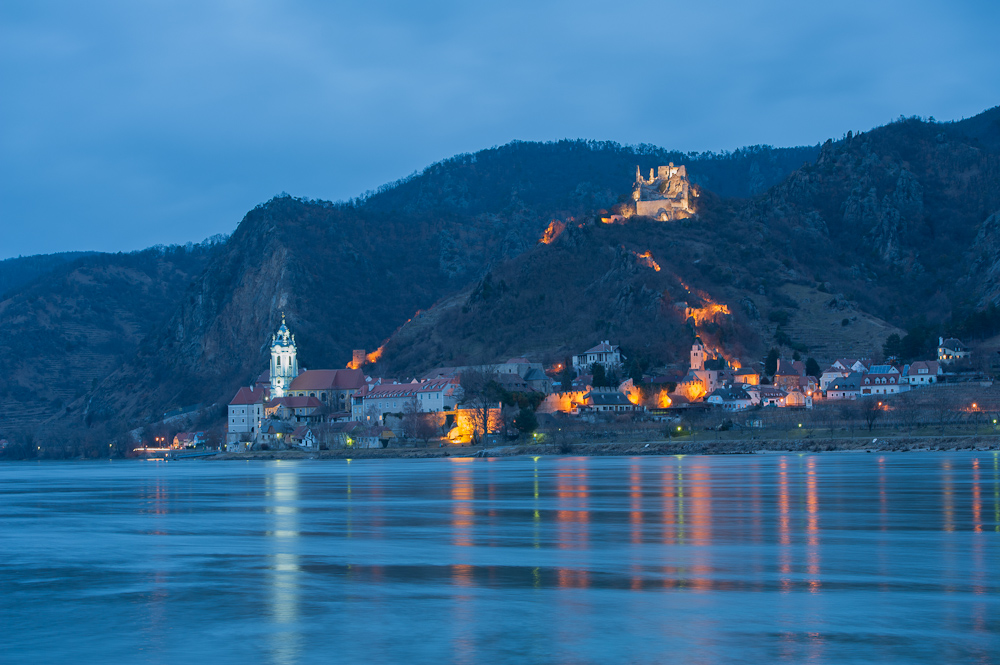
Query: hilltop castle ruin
point(665, 197)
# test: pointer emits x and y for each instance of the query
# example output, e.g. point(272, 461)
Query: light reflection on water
point(783, 558)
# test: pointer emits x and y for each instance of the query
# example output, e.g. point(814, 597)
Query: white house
point(371, 403)
point(766, 395)
point(952, 350)
point(246, 411)
point(730, 399)
point(883, 380)
point(847, 387)
point(605, 353)
point(924, 373)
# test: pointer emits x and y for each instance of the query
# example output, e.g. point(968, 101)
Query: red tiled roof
point(306, 401)
point(247, 396)
point(405, 389)
point(328, 379)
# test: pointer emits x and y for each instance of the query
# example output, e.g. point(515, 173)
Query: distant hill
point(890, 228)
point(23, 269)
point(880, 229)
point(66, 330)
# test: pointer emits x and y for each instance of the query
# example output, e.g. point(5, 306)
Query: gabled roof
point(247, 396)
point(535, 374)
point(953, 344)
point(603, 347)
point(328, 379)
point(790, 368)
point(441, 373)
point(730, 394)
point(932, 367)
point(303, 402)
point(850, 382)
point(883, 369)
point(608, 399)
point(766, 391)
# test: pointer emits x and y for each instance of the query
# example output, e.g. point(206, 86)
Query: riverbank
point(733, 447)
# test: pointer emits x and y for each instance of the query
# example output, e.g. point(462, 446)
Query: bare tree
point(481, 393)
point(428, 426)
point(411, 417)
point(871, 411)
point(372, 416)
point(848, 412)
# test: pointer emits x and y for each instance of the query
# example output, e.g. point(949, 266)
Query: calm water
point(823, 558)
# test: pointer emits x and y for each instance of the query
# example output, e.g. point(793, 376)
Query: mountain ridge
point(351, 274)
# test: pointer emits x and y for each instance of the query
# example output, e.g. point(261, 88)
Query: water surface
point(840, 558)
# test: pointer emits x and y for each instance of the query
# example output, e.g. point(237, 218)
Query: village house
point(602, 401)
point(303, 436)
point(343, 434)
point(734, 398)
point(789, 374)
point(842, 368)
point(246, 411)
point(798, 399)
point(747, 376)
point(189, 439)
point(845, 387)
point(952, 351)
point(924, 373)
point(605, 354)
point(765, 395)
point(301, 409)
point(372, 403)
point(883, 380)
point(273, 432)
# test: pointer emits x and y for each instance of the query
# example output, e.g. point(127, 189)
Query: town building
point(605, 354)
point(246, 411)
point(300, 409)
point(765, 395)
point(373, 402)
point(924, 373)
point(607, 401)
point(952, 350)
point(883, 380)
point(844, 387)
point(332, 387)
point(734, 398)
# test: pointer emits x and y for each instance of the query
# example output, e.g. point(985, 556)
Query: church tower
point(284, 363)
point(697, 355)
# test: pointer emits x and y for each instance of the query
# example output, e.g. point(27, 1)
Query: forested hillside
point(69, 328)
point(886, 226)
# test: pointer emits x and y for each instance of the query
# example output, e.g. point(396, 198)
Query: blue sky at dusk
point(125, 124)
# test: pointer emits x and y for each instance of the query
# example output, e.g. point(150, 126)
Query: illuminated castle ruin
point(665, 196)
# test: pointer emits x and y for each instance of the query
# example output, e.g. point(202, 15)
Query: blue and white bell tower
point(284, 362)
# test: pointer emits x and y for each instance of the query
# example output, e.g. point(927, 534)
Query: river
point(830, 558)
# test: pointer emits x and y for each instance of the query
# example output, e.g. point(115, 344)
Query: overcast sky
point(125, 124)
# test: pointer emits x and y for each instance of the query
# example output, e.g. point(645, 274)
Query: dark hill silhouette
point(887, 222)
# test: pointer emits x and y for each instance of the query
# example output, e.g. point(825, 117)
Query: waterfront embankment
point(682, 447)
